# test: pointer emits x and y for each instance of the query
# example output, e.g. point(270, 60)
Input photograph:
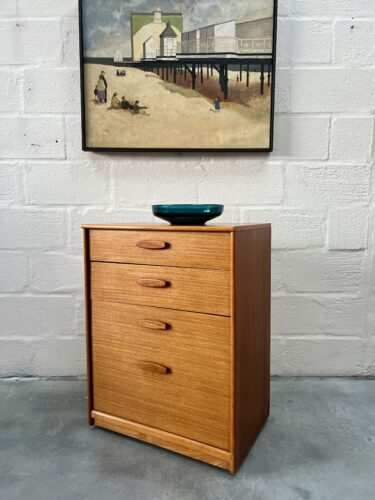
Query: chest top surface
point(166, 227)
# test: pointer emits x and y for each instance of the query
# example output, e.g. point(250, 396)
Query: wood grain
point(200, 290)
point(193, 400)
point(184, 446)
point(182, 249)
point(251, 303)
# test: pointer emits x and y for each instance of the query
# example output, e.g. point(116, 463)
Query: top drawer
point(165, 248)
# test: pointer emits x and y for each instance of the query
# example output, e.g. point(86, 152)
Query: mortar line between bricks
point(20, 18)
point(43, 294)
point(316, 295)
point(348, 18)
point(311, 65)
point(329, 143)
point(317, 336)
point(22, 338)
point(275, 161)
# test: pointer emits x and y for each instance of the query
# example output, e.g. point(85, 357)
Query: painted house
point(168, 42)
point(118, 57)
point(147, 28)
point(150, 48)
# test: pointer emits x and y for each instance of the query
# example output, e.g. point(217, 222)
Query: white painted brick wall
point(320, 272)
point(67, 184)
point(320, 185)
point(11, 90)
point(348, 228)
point(51, 91)
point(9, 8)
point(351, 139)
point(16, 280)
point(318, 315)
point(32, 137)
point(291, 228)
point(302, 41)
point(332, 8)
point(317, 189)
point(332, 90)
point(27, 228)
point(352, 42)
point(40, 316)
point(48, 8)
point(9, 183)
point(28, 42)
point(301, 136)
point(55, 272)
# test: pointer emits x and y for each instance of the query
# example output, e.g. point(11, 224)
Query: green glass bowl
point(187, 215)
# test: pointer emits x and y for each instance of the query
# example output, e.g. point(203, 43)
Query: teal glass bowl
point(187, 215)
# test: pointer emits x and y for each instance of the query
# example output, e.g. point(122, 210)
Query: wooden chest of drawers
point(178, 335)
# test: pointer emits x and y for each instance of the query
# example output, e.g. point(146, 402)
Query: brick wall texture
point(317, 189)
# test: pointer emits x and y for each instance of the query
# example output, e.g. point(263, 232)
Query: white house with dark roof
point(147, 28)
point(168, 42)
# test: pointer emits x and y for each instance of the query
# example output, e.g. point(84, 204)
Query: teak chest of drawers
point(178, 335)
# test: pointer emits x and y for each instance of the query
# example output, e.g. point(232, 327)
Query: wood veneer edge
point(233, 353)
point(205, 228)
point(86, 256)
point(185, 446)
point(247, 324)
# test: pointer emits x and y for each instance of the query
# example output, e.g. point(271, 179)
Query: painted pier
point(201, 67)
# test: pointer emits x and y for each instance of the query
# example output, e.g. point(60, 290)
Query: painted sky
point(107, 22)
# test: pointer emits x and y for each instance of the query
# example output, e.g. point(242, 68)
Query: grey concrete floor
point(319, 444)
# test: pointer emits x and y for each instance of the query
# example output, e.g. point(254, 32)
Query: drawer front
point(202, 250)
point(175, 378)
point(199, 290)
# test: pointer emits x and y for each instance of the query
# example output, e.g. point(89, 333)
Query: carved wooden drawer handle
point(154, 368)
point(153, 325)
point(152, 244)
point(152, 282)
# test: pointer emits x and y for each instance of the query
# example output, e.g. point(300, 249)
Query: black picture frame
point(176, 150)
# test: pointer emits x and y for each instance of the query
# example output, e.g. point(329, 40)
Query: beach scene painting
point(177, 74)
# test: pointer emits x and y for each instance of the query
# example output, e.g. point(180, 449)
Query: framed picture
point(177, 75)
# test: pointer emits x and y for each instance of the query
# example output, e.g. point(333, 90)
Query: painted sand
point(176, 116)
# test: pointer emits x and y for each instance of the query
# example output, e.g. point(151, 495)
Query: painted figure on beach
point(101, 88)
point(217, 105)
point(139, 110)
point(135, 108)
point(115, 102)
point(125, 104)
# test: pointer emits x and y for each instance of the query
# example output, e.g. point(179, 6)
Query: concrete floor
point(319, 444)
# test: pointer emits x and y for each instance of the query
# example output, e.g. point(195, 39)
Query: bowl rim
point(199, 206)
